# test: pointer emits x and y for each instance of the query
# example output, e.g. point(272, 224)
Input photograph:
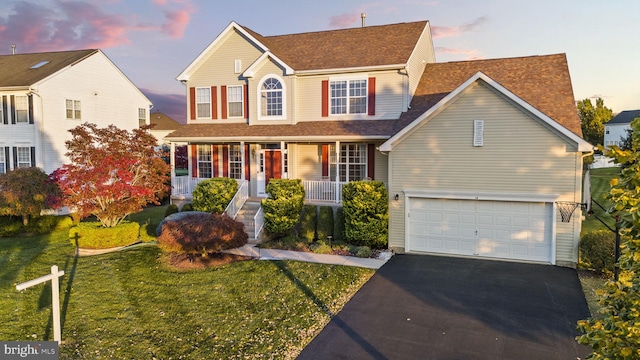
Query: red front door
point(272, 165)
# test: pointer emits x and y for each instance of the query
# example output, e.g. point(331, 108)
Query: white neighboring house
point(615, 130)
point(43, 95)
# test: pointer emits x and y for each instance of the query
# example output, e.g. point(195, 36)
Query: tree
point(616, 335)
point(113, 172)
point(26, 192)
point(592, 119)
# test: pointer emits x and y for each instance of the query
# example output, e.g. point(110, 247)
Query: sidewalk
point(276, 254)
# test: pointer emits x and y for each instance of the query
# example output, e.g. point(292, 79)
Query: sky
point(152, 41)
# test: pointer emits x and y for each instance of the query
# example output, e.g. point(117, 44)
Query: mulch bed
point(191, 261)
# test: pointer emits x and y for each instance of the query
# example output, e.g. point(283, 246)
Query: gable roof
point(480, 76)
point(16, 70)
point(541, 81)
point(163, 122)
point(624, 117)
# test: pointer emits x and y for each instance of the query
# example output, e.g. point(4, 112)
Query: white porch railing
point(323, 190)
point(184, 185)
point(238, 199)
point(258, 221)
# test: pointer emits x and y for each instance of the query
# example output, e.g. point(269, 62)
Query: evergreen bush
point(283, 207)
point(171, 209)
point(325, 224)
point(213, 195)
point(92, 235)
point(47, 223)
point(597, 250)
point(338, 225)
point(10, 225)
point(308, 222)
point(366, 213)
point(186, 207)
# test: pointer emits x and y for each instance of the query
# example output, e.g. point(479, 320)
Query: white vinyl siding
point(520, 155)
point(235, 101)
point(73, 109)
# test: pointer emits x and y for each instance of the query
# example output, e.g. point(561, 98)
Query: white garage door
point(500, 229)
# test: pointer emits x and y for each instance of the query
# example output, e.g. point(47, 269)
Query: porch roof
point(302, 131)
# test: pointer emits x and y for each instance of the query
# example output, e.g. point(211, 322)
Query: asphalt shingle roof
point(624, 117)
point(161, 121)
point(15, 70)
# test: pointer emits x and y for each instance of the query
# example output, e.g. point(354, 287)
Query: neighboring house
point(615, 130)
point(43, 95)
point(161, 126)
point(475, 154)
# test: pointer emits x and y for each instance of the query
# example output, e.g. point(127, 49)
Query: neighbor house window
point(352, 162)
point(142, 116)
point(3, 161)
point(348, 97)
point(203, 102)
point(234, 99)
point(235, 162)
point(204, 161)
point(271, 98)
point(22, 109)
point(73, 109)
point(23, 157)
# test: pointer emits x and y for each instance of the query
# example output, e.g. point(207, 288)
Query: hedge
point(213, 195)
point(366, 213)
point(308, 222)
point(283, 207)
point(597, 250)
point(91, 235)
point(325, 224)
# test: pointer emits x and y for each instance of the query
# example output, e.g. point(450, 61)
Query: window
point(3, 161)
point(204, 161)
point(22, 109)
point(23, 157)
point(234, 99)
point(203, 102)
point(142, 116)
point(271, 98)
point(235, 162)
point(352, 162)
point(73, 109)
point(348, 97)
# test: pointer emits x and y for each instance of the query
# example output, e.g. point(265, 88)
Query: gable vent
point(478, 132)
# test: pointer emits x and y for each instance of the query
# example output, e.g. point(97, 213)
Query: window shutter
point(325, 98)
point(225, 160)
point(478, 132)
point(192, 103)
point(214, 102)
point(30, 97)
point(247, 162)
point(371, 160)
point(33, 156)
point(194, 160)
point(15, 156)
point(216, 161)
point(246, 101)
point(7, 156)
point(13, 109)
point(371, 110)
point(223, 100)
point(325, 160)
point(5, 115)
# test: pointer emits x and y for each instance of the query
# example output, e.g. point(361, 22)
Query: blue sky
point(152, 41)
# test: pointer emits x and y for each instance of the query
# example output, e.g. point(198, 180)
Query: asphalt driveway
point(432, 307)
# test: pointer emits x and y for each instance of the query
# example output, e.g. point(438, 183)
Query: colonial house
point(43, 95)
point(476, 155)
point(615, 130)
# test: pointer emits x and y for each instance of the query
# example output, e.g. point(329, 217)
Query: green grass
point(599, 188)
point(129, 305)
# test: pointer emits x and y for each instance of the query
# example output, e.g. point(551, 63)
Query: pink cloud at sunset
point(176, 23)
point(343, 20)
point(469, 54)
point(447, 31)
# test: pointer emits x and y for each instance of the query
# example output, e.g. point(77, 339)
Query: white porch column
point(243, 175)
point(337, 172)
point(172, 160)
point(285, 156)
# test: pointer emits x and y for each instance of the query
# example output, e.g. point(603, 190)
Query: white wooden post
point(55, 297)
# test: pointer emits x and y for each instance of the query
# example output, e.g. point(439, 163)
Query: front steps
point(246, 216)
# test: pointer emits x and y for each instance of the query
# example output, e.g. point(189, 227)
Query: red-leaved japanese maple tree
point(113, 172)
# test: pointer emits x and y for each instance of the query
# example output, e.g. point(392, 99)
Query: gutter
point(277, 138)
point(351, 69)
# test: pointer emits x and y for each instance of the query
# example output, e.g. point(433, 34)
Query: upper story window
point(272, 98)
point(142, 116)
point(22, 109)
point(73, 109)
point(203, 102)
point(348, 97)
point(234, 101)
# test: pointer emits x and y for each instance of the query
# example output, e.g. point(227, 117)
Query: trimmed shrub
point(308, 222)
point(187, 207)
point(597, 250)
point(10, 225)
point(213, 195)
point(363, 252)
point(283, 207)
point(47, 223)
point(321, 247)
point(325, 225)
point(338, 225)
point(145, 233)
point(201, 233)
point(366, 213)
point(91, 235)
point(171, 209)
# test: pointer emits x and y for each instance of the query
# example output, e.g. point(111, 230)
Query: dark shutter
point(33, 156)
point(325, 98)
point(5, 114)
point(15, 156)
point(13, 109)
point(30, 97)
point(325, 160)
point(225, 160)
point(192, 103)
point(7, 156)
point(246, 101)
point(223, 100)
point(214, 102)
point(371, 160)
point(194, 160)
point(372, 96)
point(216, 161)
point(247, 163)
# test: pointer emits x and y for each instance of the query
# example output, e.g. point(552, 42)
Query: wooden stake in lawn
point(55, 297)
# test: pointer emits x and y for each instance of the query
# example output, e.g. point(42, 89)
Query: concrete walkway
point(276, 254)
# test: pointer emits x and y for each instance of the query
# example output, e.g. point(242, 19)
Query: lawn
point(130, 305)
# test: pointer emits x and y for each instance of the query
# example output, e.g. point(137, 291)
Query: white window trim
point(284, 98)
point(242, 115)
point(231, 161)
point(347, 164)
point(196, 102)
point(73, 109)
point(20, 161)
point(202, 162)
point(15, 110)
point(144, 118)
point(349, 79)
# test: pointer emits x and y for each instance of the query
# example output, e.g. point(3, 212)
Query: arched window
point(272, 101)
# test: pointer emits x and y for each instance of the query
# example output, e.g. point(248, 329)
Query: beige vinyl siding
point(308, 162)
point(271, 68)
point(421, 56)
point(520, 155)
point(381, 170)
point(218, 68)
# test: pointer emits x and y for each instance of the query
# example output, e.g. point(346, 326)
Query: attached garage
point(505, 229)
